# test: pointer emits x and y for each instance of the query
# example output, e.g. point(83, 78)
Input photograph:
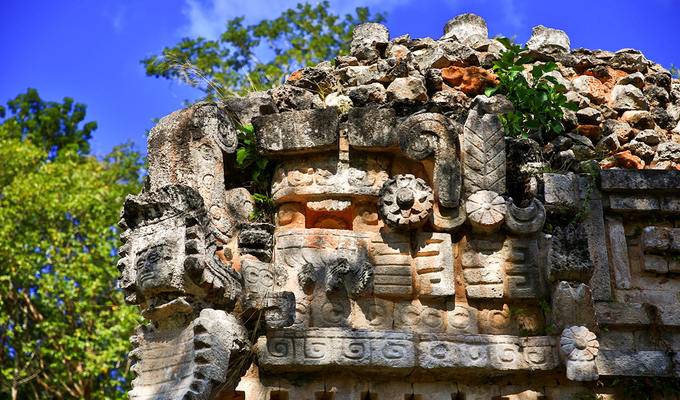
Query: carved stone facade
point(401, 261)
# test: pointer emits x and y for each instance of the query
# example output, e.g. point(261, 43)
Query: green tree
point(47, 124)
point(235, 62)
point(675, 72)
point(63, 324)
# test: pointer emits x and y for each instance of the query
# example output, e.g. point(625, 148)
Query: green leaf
point(241, 156)
point(490, 91)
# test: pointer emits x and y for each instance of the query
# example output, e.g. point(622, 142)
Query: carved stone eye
point(406, 201)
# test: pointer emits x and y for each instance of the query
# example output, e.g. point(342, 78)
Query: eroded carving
point(580, 347)
point(405, 201)
point(429, 134)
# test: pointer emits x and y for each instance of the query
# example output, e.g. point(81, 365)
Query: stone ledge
point(620, 314)
point(295, 132)
point(396, 352)
point(632, 180)
point(639, 363)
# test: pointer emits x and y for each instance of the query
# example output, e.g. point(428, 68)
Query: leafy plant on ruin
point(539, 104)
point(258, 170)
point(234, 63)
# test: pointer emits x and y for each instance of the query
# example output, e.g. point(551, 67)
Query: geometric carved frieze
point(393, 351)
point(396, 260)
point(496, 267)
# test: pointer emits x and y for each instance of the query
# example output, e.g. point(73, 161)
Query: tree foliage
point(258, 56)
point(538, 105)
point(47, 124)
point(63, 324)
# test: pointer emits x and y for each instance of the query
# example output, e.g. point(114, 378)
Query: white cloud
point(118, 18)
point(207, 18)
point(514, 17)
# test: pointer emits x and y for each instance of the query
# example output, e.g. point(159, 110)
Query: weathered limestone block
point(256, 239)
point(372, 128)
point(193, 362)
point(462, 320)
point(469, 29)
point(561, 191)
point(482, 261)
point(569, 257)
point(419, 317)
point(501, 353)
point(433, 262)
point(634, 363)
point(523, 265)
point(369, 41)
point(617, 180)
point(263, 285)
point(297, 132)
point(548, 40)
point(572, 305)
point(187, 148)
point(618, 248)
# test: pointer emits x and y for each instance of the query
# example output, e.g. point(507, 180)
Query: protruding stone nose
point(405, 198)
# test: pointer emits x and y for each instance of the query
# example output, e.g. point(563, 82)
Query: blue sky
point(90, 50)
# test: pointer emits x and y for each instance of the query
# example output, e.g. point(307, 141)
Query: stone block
point(371, 128)
point(561, 191)
point(295, 132)
point(657, 264)
point(618, 249)
point(469, 29)
point(621, 314)
point(548, 40)
point(572, 305)
point(646, 180)
point(433, 262)
point(640, 363)
point(369, 41)
point(633, 203)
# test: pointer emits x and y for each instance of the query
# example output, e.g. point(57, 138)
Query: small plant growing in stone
point(259, 171)
point(538, 104)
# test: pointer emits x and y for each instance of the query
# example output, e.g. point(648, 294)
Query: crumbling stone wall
point(416, 251)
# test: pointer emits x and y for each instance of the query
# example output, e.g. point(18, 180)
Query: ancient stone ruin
point(413, 249)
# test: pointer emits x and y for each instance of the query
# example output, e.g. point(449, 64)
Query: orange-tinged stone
point(296, 75)
point(591, 87)
point(592, 132)
point(626, 159)
point(469, 80)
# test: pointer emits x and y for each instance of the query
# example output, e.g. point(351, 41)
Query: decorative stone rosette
point(405, 201)
point(579, 347)
point(486, 211)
